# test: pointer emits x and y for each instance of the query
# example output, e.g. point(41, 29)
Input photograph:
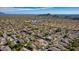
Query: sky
point(39, 10)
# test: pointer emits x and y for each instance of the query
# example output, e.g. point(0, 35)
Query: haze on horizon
point(39, 10)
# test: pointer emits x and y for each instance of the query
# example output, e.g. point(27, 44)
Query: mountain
point(1, 13)
point(45, 14)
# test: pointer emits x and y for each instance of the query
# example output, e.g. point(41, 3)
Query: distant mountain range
point(3, 14)
point(67, 16)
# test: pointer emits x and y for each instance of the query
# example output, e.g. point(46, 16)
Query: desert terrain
point(39, 33)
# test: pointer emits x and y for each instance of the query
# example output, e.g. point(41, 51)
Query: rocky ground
point(24, 34)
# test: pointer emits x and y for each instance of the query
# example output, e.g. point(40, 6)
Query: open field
point(38, 33)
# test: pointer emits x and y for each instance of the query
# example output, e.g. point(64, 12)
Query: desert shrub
point(58, 30)
point(1, 33)
point(46, 34)
point(18, 36)
point(74, 44)
point(18, 46)
point(9, 43)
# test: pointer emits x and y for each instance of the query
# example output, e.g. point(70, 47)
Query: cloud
point(13, 9)
point(39, 8)
point(26, 9)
